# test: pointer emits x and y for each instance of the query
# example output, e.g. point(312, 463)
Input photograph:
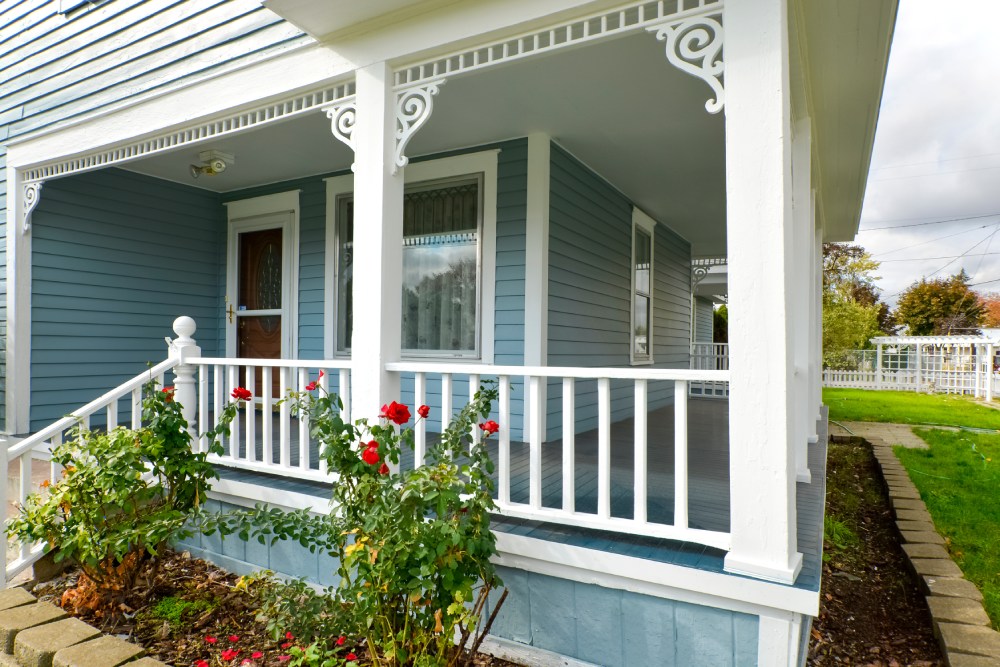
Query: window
point(642, 289)
point(442, 227)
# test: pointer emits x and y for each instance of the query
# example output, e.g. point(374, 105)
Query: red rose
point(371, 456)
point(423, 411)
point(340, 640)
point(396, 412)
point(489, 427)
point(242, 394)
point(311, 386)
point(168, 394)
point(350, 656)
point(384, 470)
point(289, 635)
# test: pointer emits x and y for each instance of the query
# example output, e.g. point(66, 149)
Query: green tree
point(720, 324)
point(853, 311)
point(940, 306)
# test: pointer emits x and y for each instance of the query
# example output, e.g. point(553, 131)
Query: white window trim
point(267, 212)
point(484, 162)
point(642, 221)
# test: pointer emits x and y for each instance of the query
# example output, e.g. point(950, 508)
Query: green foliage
point(907, 407)
point(852, 310)
point(123, 494)
point(297, 607)
point(958, 479)
point(414, 548)
point(175, 610)
point(838, 537)
point(720, 324)
point(940, 306)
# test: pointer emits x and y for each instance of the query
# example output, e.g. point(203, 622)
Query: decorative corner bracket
point(413, 107)
point(32, 194)
point(698, 274)
point(343, 116)
point(694, 45)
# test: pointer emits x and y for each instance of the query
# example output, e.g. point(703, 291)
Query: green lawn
point(959, 480)
point(904, 407)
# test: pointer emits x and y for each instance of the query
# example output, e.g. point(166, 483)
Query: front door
point(259, 289)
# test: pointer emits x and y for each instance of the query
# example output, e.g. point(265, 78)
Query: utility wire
point(928, 259)
point(971, 248)
point(932, 222)
point(936, 173)
point(940, 238)
point(950, 159)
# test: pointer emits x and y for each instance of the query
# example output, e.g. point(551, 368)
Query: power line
point(932, 222)
point(940, 238)
point(950, 159)
point(935, 173)
point(971, 248)
point(928, 259)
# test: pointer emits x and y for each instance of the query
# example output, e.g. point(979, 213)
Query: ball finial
point(184, 327)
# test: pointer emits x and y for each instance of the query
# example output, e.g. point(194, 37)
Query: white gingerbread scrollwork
point(413, 108)
point(698, 274)
point(32, 194)
point(694, 45)
point(343, 116)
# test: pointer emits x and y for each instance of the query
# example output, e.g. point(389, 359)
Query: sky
point(937, 149)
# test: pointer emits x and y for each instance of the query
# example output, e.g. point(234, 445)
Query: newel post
point(183, 348)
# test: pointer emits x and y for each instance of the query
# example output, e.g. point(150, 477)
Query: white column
point(378, 244)
point(802, 238)
point(183, 348)
point(18, 351)
point(536, 271)
point(817, 308)
point(761, 273)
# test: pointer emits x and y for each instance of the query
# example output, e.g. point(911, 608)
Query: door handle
point(229, 312)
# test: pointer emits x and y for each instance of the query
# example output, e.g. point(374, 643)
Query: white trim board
point(266, 212)
point(484, 162)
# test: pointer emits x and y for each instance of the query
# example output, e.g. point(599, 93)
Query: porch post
point(378, 244)
point(183, 348)
point(817, 307)
point(801, 297)
point(761, 277)
point(536, 275)
point(18, 349)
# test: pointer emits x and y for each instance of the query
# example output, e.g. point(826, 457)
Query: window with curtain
point(441, 268)
point(642, 297)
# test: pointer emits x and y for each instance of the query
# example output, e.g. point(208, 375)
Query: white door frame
point(267, 212)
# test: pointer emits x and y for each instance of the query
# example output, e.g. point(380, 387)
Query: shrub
point(123, 494)
point(413, 548)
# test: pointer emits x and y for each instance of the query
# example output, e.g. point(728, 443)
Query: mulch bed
point(206, 613)
point(872, 611)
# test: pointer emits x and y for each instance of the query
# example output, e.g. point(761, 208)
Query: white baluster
point(680, 454)
point(569, 445)
point(250, 375)
point(604, 448)
point(535, 443)
point(445, 400)
point(234, 434)
point(219, 401)
point(137, 407)
point(344, 392)
point(420, 429)
point(476, 432)
point(112, 418)
point(24, 491)
point(639, 483)
point(504, 446)
point(303, 424)
point(284, 421)
point(266, 419)
point(202, 408)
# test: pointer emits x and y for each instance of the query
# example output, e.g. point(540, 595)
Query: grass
point(174, 609)
point(959, 479)
point(904, 407)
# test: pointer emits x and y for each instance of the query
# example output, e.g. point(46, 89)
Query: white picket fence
point(709, 357)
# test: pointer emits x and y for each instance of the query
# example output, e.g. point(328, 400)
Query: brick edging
point(40, 634)
point(960, 623)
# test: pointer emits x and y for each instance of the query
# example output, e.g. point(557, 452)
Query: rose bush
point(414, 547)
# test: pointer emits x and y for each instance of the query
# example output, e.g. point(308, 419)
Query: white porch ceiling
point(618, 106)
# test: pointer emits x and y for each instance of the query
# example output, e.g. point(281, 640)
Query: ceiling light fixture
point(213, 162)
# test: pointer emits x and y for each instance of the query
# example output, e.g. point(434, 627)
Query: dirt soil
point(219, 615)
point(872, 611)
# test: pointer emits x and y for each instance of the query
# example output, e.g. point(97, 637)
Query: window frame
point(420, 175)
point(646, 225)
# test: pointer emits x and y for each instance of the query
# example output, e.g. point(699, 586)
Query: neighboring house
point(416, 195)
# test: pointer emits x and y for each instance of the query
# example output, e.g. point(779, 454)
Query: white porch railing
point(535, 380)
point(709, 357)
point(38, 445)
point(268, 438)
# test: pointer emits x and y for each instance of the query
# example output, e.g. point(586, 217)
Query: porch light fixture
point(212, 162)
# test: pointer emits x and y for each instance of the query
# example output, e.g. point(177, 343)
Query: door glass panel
point(260, 270)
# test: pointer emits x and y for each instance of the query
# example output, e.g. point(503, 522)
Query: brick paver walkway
point(879, 434)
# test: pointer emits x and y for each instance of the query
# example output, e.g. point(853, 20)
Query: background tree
point(720, 324)
point(853, 311)
point(940, 306)
point(991, 309)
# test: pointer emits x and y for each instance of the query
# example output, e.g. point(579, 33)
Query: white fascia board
point(277, 77)
point(646, 577)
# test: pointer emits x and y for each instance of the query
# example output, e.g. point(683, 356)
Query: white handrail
point(81, 414)
point(611, 373)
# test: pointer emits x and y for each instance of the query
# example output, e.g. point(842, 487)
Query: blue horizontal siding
point(116, 257)
point(703, 322)
point(590, 301)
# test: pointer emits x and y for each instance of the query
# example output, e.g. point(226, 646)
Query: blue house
point(416, 195)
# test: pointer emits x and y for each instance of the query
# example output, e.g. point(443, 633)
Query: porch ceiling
point(618, 106)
